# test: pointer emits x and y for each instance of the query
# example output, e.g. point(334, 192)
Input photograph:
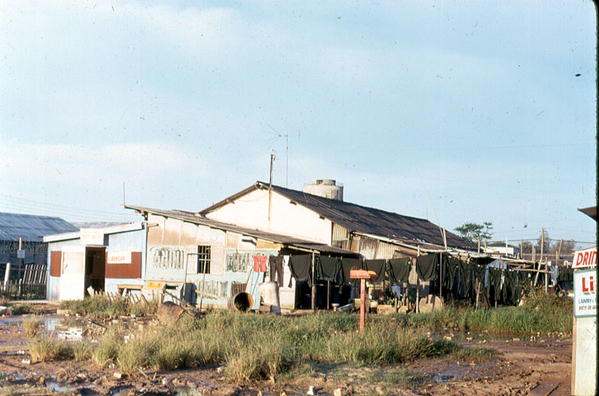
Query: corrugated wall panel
point(339, 233)
point(126, 271)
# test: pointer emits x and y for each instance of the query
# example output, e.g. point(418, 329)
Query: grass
point(100, 307)
point(32, 326)
point(266, 347)
point(46, 349)
point(403, 376)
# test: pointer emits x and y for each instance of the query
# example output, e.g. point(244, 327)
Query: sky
point(453, 111)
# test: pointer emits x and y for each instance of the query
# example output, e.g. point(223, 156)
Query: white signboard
point(91, 236)
point(585, 258)
point(585, 293)
point(119, 258)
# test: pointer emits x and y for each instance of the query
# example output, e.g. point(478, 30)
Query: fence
point(31, 286)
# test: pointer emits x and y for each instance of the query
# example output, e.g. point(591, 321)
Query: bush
point(32, 326)
point(46, 349)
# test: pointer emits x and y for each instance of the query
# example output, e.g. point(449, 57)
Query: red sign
point(585, 258)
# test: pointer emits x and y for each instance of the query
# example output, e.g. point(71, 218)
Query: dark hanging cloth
point(328, 269)
point(495, 282)
point(427, 267)
point(377, 266)
point(300, 267)
point(465, 279)
point(451, 269)
point(511, 289)
point(276, 269)
point(566, 274)
point(399, 269)
point(346, 266)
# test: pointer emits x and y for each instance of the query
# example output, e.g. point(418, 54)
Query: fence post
point(6, 275)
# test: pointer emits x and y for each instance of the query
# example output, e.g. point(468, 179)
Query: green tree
point(474, 231)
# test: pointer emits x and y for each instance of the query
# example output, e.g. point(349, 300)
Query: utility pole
point(542, 241)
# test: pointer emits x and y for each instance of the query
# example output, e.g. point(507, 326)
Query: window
point(204, 259)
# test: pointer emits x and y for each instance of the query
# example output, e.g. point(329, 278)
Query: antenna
point(123, 193)
point(286, 151)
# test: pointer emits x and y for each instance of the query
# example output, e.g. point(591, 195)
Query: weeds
point(46, 349)
point(32, 326)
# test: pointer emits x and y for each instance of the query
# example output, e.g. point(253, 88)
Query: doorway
point(95, 269)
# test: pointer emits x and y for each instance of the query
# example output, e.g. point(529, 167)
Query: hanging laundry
point(511, 290)
point(276, 269)
point(495, 282)
point(300, 267)
point(377, 266)
point(259, 263)
point(465, 280)
point(346, 266)
point(328, 269)
point(450, 269)
point(427, 267)
point(399, 269)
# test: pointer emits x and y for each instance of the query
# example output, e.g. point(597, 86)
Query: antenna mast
point(286, 151)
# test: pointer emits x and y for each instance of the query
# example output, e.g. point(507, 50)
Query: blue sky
point(487, 107)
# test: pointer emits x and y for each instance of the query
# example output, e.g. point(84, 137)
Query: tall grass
point(98, 307)
point(45, 349)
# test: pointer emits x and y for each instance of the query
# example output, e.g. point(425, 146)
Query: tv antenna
point(286, 150)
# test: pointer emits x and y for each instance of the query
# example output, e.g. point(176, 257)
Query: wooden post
point(542, 241)
point(521, 248)
point(362, 303)
point(440, 275)
point(328, 294)
point(6, 276)
point(478, 251)
point(546, 276)
point(418, 287)
point(313, 286)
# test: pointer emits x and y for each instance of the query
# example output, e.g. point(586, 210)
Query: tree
point(567, 247)
point(474, 231)
point(526, 247)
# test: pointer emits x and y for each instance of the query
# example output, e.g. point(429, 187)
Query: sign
point(118, 258)
point(585, 293)
point(585, 258)
point(91, 236)
point(21, 253)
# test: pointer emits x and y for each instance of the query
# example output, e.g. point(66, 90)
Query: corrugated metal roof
point(363, 219)
point(267, 236)
point(31, 228)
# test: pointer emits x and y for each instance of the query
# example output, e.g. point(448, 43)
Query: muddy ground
point(524, 366)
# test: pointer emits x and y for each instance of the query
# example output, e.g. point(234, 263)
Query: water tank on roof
point(326, 188)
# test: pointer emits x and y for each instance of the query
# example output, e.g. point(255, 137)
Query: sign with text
point(91, 236)
point(118, 258)
point(585, 293)
point(585, 258)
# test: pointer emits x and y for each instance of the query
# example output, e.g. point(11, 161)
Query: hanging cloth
point(511, 289)
point(451, 267)
point(426, 267)
point(300, 267)
point(346, 266)
point(399, 269)
point(465, 277)
point(259, 263)
point(328, 269)
point(377, 266)
point(495, 282)
point(276, 269)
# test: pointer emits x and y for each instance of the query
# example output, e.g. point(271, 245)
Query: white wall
point(251, 211)
point(584, 357)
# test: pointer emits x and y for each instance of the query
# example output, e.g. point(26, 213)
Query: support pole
point(418, 287)
point(313, 286)
point(6, 276)
point(328, 294)
point(362, 304)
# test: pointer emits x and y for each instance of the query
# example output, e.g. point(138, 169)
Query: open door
point(72, 273)
point(95, 268)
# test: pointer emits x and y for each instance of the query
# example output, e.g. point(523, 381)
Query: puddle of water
point(59, 387)
point(442, 378)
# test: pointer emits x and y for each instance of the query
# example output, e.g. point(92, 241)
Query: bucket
point(269, 291)
point(241, 302)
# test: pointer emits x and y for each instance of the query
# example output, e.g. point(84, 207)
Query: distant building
point(26, 231)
